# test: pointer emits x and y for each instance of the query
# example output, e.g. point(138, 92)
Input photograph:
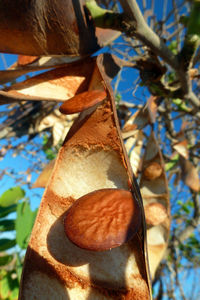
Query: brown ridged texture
point(103, 219)
point(91, 158)
point(43, 27)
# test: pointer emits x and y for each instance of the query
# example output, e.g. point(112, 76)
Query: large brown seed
point(82, 101)
point(103, 219)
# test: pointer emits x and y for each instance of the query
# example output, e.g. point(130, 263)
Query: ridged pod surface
point(44, 27)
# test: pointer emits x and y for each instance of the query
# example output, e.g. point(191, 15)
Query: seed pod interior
point(91, 158)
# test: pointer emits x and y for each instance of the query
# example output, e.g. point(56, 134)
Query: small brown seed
point(155, 213)
point(153, 171)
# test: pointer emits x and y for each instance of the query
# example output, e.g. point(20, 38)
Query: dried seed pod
point(103, 219)
point(82, 101)
point(92, 158)
point(154, 190)
point(44, 27)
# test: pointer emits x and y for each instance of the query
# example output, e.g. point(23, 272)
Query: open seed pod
point(41, 63)
point(43, 27)
point(58, 84)
point(154, 190)
point(91, 159)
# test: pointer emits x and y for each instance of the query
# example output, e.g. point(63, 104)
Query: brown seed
point(155, 213)
point(153, 171)
point(82, 101)
point(103, 219)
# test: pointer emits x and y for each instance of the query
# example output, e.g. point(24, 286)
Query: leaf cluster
point(16, 222)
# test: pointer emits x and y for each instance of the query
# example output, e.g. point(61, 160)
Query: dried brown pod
point(44, 176)
point(43, 27)
point(189, 174)
point(154, 190)
point(103, 219)
point(82, 101)
point(91, 158)
point(58, 84)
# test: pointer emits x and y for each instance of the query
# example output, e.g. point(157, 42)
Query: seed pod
point(155, 193)
point(52, 27)
point(91, 163)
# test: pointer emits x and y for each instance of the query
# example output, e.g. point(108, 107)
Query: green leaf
point(190, 203)
point(14, 285)
point(19, 266)
point(6, 244)
point(193, 241)
point(11, 196)
point(4, 287)
point(9, 286)
point(173, 47)
point(181, 247)
point(181, 105)
point(14, 293)
point(171, 77)
point(7, 225)
point(50, 154)
point(185, 208)
point(194, 20)
point(4, 211)
point(24, 223)
point(171, 163)
point(4, 260)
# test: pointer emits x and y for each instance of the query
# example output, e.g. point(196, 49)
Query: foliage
point(16, 220)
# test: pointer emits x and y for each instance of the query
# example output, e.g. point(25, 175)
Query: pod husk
point(92, 157)
point(155, 194)
point(49, 27)
point(153, 183)
point(58, 84)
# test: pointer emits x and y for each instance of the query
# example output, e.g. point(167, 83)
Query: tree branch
point(144, 33)
point(132, 23)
